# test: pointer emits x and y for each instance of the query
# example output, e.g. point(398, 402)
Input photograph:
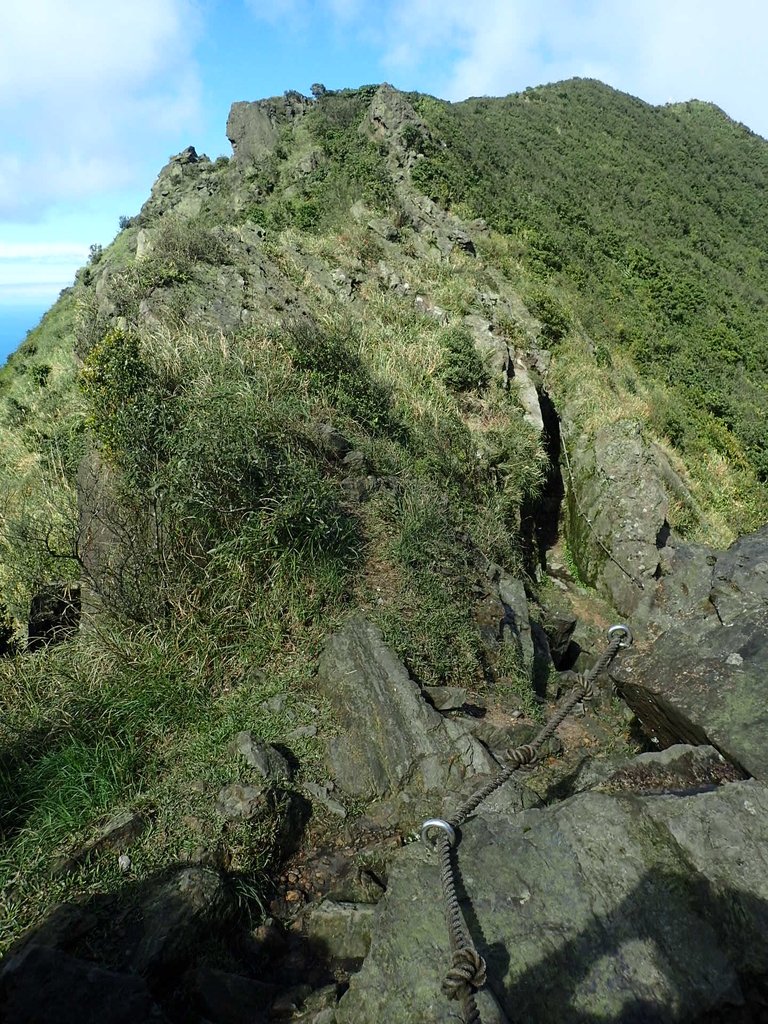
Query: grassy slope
point(263, 552)
point(648, 223)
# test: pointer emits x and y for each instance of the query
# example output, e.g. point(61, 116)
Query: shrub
point(462, 368)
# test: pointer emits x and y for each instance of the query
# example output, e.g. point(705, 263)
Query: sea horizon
point(15, 323)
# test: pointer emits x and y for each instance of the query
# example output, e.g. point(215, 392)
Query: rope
point(638, 583)
point(467, 972)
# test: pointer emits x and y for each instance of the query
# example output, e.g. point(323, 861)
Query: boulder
point(704, 678)
point(341, 931)
point(389, 737)
point(603, 907)
point(176, 914)
point(618, 489)
point(44, 984)
point(268, 761)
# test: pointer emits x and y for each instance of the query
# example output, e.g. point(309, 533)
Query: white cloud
point(656, 49)
point(84, 86)
point(37, 271)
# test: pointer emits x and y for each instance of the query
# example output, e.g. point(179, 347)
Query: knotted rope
point(467, 972)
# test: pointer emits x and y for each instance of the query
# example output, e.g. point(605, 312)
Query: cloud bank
point(85, 86)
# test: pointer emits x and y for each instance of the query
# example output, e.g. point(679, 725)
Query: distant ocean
point(15, 321)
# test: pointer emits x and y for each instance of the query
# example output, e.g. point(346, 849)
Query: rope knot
point(522, 755)
point(467, 972)
point(587, 691)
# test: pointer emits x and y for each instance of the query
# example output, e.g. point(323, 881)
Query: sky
point(95, 97)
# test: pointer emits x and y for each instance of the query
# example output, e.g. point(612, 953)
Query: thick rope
point(467, 972)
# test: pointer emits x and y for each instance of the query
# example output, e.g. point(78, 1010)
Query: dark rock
point(232, 999)
point(618, 494)
point(119, 832)
point(54, 615)
point(267, 761)
point(389, 737)
point(702, 680)
point(333, 441)
point(43, 984)
point(446, 698)
point(322, 793)
point(682, 770)
point(176, 915)
point(559, 627)
point(254, 128)
point(342, 931)
point(601, 907)
point(238, 801)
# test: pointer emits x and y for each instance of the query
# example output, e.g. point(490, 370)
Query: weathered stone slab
point(389, 737)
point(616, 908)
point(704, 679)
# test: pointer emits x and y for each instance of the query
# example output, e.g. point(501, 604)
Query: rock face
point(618, 495)
point(604, 907)
point(705, 677)
point(254, 128)
point(389, 736)
point(42, 984)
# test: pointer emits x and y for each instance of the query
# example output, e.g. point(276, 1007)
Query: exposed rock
point(333, 442)
point(703, 679)
point(119, 832)
point(527, 395)
point(617, 506)
point(516, 625)
point(43, 984)
point(341, 930)
point(232, 999)
point(54, 616)
point(238, 801)
point(322, 793)
point(254, 128)
point(493, 349)
point(389, 737)
point(446, 698)
point(601, 907)
point(175, 916)
point(262, 756)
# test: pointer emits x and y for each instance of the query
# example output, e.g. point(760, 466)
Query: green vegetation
point(199, 383)
point(649, 223)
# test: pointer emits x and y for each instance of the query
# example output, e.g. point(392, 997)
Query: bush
point(462, 368)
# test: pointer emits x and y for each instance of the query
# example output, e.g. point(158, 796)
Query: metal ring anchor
point(625, 631)
point(443, 826)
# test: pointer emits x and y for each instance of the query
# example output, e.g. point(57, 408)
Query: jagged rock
point(54, 616)
point(601, 907)
point(238, 801)
point(342, 931)
point(389, 737)
point(493, 348)
point(43, 984)
point(446, 698)
point(232, 999)
point(703, 679)
point(119, 832)
point(175, 915)
point(527, 395)
point(262, 756)
point(559, 627)
point(516, 625)
point(254, 128)
point(617, 506)
point(322, 793)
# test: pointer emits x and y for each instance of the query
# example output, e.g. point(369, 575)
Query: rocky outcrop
point(254, 128)
point(610, 907)
point(618, 490)
point(704, 677)
point(390, 738)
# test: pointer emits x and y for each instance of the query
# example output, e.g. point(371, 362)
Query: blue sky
point(95, 97)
